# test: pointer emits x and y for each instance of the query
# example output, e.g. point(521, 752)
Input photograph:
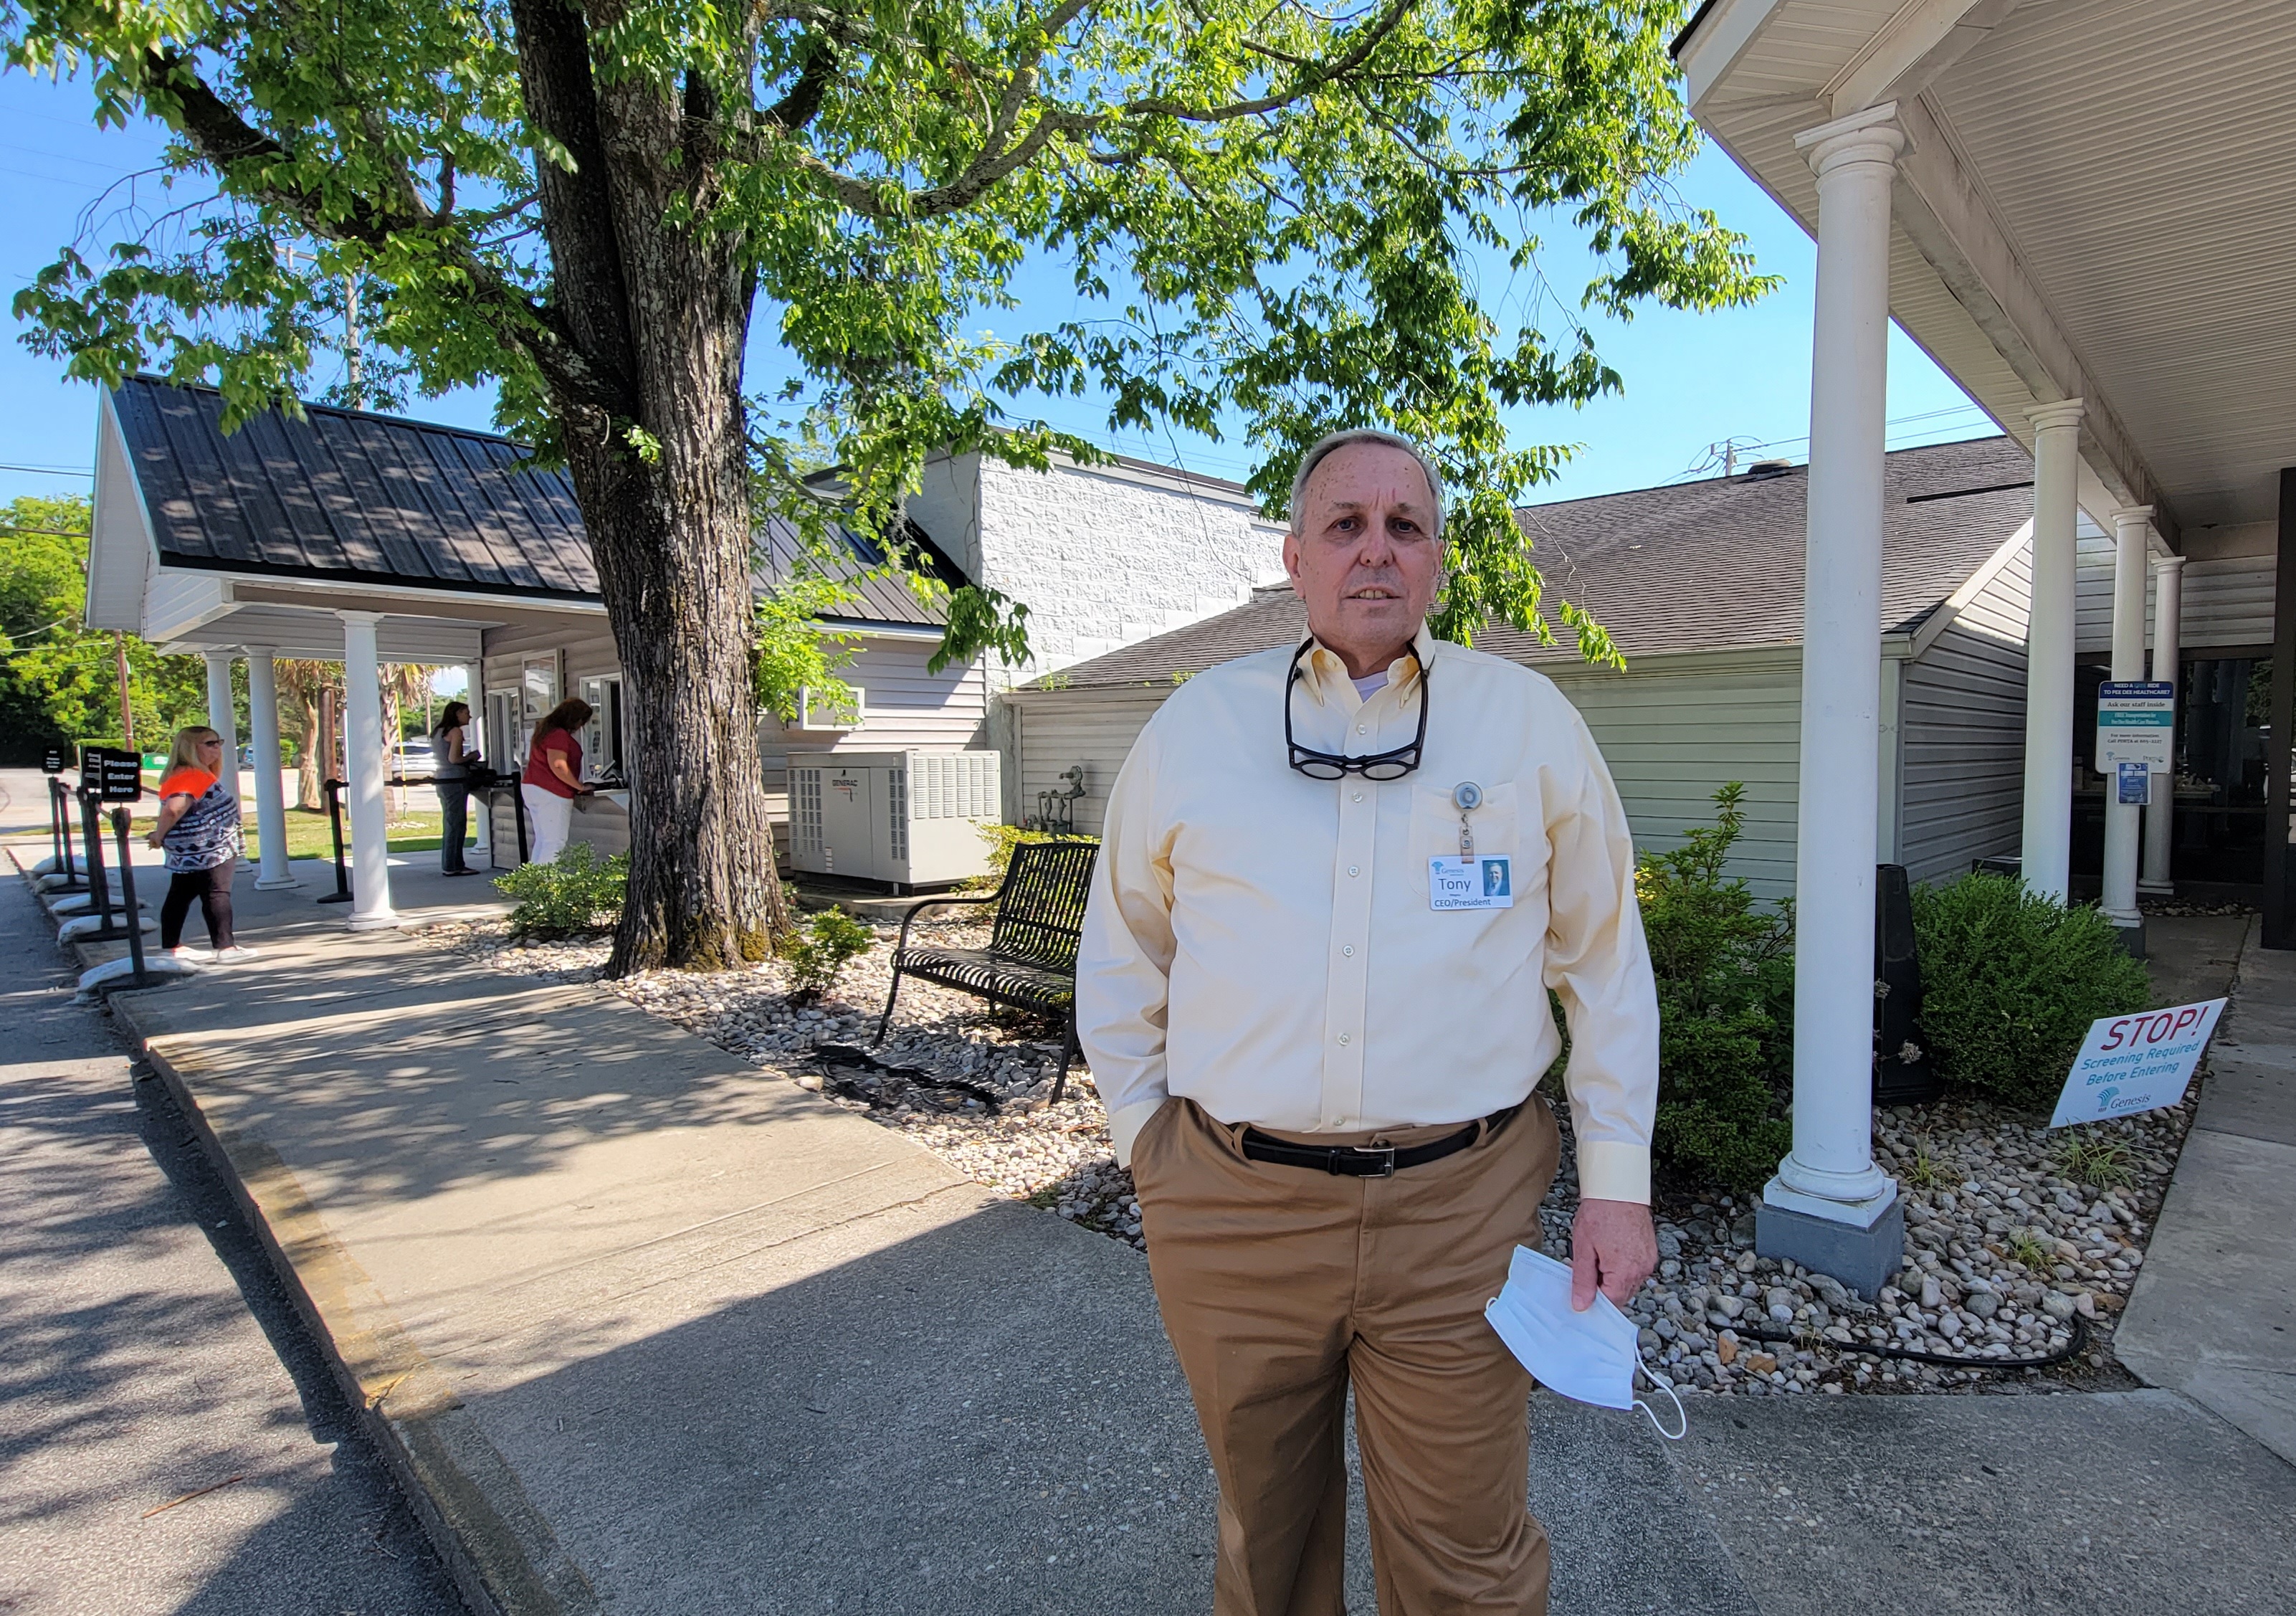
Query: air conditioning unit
point(819, 709)
point(908, 818)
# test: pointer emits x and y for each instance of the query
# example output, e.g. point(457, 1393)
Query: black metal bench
point(1031, 961)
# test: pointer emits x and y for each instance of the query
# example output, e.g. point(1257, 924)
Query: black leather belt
point(1368, 1161)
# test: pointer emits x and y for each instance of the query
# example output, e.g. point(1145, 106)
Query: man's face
point(1363, 554)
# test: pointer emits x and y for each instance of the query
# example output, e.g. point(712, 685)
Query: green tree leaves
point(1271, 218)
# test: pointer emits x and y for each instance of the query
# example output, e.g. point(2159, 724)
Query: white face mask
point(1588, 1356)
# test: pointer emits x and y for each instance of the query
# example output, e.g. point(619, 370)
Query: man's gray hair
point(1331, 441)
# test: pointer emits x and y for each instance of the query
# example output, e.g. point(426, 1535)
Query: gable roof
point(349, 496)
point(1714, 565)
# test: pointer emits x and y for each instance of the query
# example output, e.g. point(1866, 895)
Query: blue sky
point(1691, 380)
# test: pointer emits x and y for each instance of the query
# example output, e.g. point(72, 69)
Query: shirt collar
point(1324, 671)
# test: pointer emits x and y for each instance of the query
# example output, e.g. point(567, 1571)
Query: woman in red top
point(554, 779)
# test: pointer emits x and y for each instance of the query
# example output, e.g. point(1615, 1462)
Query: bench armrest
point(916, 909)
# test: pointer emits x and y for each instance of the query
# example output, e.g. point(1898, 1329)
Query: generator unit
point(909, 818)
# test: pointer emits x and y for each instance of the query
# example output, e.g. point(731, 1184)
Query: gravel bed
point(2007, 1241)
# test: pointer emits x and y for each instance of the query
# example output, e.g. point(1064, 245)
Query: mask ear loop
point(1681, 1415)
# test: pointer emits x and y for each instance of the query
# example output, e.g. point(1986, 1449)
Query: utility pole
point(127, 708)
point(351, 356)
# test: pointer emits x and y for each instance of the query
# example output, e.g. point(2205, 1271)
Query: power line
point(48, 471)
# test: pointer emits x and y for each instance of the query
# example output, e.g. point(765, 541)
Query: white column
point(1830, 1172)
point(2167, 626)
point(223, 717)
point(2048, 830)
point(363, 753)
point(270, 800)
point(2123, 823)
point(476, 739)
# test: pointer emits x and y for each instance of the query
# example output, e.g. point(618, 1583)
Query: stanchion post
point(75, 878)
point(343, 892)
point(518, 810)
point(91, 839)
point(127, 897)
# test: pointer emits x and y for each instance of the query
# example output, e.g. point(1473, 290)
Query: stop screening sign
point(2137, 1062)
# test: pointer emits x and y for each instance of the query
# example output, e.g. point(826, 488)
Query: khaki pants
point(1283, 1286)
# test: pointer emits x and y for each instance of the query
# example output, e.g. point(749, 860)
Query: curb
point(498, 1548)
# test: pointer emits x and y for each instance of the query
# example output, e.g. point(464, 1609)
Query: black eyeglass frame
point(1337, 766)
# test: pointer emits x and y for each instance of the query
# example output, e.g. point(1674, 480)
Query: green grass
point(309, 837)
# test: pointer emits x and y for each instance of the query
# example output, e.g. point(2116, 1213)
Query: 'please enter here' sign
point(2137, 1062)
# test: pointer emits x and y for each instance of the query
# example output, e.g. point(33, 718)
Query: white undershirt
point(1367, 688)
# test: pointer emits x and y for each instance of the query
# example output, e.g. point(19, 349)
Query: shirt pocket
point(1435, 822)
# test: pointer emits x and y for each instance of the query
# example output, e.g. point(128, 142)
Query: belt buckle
point(1383, 1154)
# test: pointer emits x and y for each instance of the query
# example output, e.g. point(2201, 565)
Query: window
point(602, 738)
point(537, 694)
point(815, 711)
point(504, 752)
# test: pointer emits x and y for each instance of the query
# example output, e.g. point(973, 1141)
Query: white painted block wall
point(1103, 557)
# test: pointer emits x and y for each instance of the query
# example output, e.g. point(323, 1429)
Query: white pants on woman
point(548, 818)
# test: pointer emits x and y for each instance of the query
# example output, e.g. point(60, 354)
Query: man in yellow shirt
point(1335, 885)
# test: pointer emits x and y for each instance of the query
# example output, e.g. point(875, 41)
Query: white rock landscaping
point(2008, 1237)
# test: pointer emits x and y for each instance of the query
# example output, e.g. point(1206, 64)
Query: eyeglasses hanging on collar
point(1337, 766)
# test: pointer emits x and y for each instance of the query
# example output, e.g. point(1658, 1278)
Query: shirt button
point(1358, 797)
point(1350, 951)
point(1360, 730)
point(1351, 869)
point(1344, 1039)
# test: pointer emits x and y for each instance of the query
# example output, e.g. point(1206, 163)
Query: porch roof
point(2093, 203)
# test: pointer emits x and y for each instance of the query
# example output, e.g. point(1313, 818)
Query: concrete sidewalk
point(642, 1327)
point(2213, 1314)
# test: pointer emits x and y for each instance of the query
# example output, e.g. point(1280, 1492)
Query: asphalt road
point(147, 1353)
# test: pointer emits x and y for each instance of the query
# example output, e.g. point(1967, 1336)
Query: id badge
point(1471, 883)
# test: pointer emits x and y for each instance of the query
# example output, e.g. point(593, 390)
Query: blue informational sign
point(2135, 783)
point(2135, 723)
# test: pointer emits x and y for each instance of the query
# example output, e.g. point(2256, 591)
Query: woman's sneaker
point(189, 956)
point(233, 955)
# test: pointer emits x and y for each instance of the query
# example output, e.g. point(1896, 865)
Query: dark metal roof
point(345, 496)
point(1715, 565)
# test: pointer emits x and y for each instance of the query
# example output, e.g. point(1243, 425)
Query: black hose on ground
point(2071, 1349)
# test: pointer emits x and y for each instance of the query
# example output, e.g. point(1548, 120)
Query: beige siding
point(907, 707)
point(2227, 602)
point(1059, 729)
point(1961, 725)
point(1673, 731)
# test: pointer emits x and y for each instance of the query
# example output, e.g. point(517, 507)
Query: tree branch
point(228, 144)
point(995, 161)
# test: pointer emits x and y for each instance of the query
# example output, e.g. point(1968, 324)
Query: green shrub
point(1724, 970)
point(820, 952)
point(2010, 983)
point(576, 894)
point(1001, 839)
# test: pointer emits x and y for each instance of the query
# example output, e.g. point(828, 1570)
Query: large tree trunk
point(660, 307)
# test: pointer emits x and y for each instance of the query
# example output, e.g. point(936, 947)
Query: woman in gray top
point(451, 774)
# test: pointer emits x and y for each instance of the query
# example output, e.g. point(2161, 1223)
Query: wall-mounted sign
point(116, 775)
point(2135, 783)
point(2135, 723)
point(2137, 1062)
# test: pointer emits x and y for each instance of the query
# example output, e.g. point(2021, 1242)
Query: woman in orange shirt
point(199, 832)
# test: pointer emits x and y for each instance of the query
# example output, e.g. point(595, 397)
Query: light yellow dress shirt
point(1265, 944)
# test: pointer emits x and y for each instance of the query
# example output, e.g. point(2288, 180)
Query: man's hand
point(1613, 1248)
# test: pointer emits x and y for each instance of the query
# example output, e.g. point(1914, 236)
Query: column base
point(2130, 935)
point(275, 883)
point(2157, 889)
point(382, 921)
point(1862, 1257)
